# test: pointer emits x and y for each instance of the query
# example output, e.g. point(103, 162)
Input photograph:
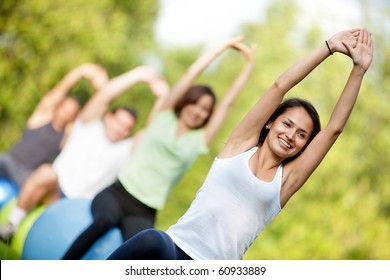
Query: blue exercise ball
point(8, 190)
point(59, 225)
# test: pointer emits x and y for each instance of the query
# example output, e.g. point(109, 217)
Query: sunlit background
point(189, 22)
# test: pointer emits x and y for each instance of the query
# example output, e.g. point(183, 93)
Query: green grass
point(7, 253)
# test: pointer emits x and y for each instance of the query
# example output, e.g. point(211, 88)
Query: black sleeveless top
point(37, 146)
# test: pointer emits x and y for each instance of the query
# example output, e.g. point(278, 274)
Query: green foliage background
point(343, 211)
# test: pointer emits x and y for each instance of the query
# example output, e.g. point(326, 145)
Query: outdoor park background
point(343, 211)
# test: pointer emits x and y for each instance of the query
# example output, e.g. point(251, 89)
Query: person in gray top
point(48, 126)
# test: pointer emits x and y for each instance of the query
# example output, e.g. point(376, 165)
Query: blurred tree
point(42, 40)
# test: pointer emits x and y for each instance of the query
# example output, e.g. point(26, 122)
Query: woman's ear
point(268, 125)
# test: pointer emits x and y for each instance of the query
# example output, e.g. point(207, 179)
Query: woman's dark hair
point(283, 107)
point(192, 96)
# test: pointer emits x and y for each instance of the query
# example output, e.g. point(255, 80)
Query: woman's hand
point(144, 73)
point(337, 42)
point(95, 73)
point(247, 52)
point(159, 87)
point(362, 53)
point(231, 42)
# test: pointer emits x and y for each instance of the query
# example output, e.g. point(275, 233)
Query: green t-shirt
point(160, 160)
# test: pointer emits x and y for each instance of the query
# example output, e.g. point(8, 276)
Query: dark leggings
point(112, 207)
point(150, 244)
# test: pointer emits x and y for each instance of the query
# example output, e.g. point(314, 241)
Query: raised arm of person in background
point(46, 108)
point(187, 79)
point(99, 103)
point(160, 89)
point(223, 107)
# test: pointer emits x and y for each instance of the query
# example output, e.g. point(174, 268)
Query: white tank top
point(229, 211)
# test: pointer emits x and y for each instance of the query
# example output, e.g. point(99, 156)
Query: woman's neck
point(264, 161)
point(182, 128)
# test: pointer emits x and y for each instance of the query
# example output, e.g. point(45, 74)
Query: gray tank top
point(37, 146)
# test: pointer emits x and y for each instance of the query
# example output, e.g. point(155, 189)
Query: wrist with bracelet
point(330, 51)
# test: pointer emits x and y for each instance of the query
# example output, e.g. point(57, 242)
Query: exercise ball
point(19, 237)
point(59, 225)
point(8, 190)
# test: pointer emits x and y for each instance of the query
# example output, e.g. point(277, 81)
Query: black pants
point(112, 207)
point(150, 244)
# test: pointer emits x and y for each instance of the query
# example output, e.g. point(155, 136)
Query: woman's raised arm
point(361, 54)
point(187, 79)
point(246, 134)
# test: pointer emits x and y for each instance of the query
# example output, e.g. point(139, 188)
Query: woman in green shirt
point(183, 129)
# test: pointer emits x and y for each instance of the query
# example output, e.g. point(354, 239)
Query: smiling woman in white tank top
point(266, 160)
